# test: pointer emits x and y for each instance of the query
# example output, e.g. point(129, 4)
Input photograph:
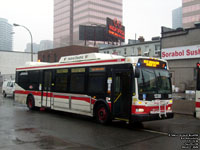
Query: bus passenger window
point(96, 83)
point(77, 80)
point(61, 80)
point(77, 83)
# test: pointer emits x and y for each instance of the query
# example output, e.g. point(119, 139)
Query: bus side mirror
point(137, 73)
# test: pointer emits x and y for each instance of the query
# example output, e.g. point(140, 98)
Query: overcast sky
point(141, 17)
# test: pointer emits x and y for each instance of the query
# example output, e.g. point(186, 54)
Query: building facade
point(181, 48)
point(10, 60)
point(44, 45)
point(54, 55)
point(177, 18)
point(6, 30)
point(69, 14)
point(148, 48)
point(35, 47)
point(191, 12)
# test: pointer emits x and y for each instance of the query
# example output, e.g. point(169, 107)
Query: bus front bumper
point(150, 117)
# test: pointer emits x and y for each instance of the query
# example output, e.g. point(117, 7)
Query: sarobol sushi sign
point(181, 52)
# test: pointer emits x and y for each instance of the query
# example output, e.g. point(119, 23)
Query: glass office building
point(177, 18)
point(6, 41)
point(191, 12)
point(69, 14)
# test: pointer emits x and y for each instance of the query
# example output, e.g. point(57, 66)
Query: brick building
point(54, 55)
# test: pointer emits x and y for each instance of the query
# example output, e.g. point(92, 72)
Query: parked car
point(8, 88)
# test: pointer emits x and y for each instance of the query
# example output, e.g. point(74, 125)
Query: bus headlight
point(140, 110)
point(169, 108)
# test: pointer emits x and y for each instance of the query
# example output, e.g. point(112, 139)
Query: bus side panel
point(81, 104)
point(37, 99)
point(61, 103)
point(20, 98)
point(20, 95)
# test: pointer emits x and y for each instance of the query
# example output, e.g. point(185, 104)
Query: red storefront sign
point(181, 52)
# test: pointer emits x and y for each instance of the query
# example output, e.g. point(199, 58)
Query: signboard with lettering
point(151, 63)
point(115, 29)
point(185, 52)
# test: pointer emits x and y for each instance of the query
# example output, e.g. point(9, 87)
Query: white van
point(8, 88)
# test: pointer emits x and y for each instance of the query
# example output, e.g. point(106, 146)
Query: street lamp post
point(30, 36)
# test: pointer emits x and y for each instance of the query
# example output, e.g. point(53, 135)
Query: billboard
point(115, 29)
point(92, 33)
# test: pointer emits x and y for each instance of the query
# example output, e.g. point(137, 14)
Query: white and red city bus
point(104, 86)
point(197, 97)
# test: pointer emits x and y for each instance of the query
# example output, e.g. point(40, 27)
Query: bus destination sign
point(152, 63)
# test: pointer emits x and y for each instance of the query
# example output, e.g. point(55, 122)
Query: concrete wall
point(183, 107)
point(186, 37)
point(9, 60)
point(183, 73)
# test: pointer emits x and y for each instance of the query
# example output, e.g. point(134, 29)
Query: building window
point(55, 58)
point(48, 59)
point(157, 49)
point(132, 51)
point(186, 1)
point(125, 51)
point(139, 51)
point(43, 58)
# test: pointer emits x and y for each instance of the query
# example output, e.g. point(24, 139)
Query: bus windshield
point(154, 81)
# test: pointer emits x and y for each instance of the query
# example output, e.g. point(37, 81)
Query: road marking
point(158, 132)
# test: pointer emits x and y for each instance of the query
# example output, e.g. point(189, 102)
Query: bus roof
point(82, 60)
point(88, 57)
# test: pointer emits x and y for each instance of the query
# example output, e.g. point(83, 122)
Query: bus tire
point(30, 102)
point(4, 94)
point(102, 114)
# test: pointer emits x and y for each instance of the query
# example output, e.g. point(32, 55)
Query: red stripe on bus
point(84, 99)
point(35, 93)
point(80, 63)
point(28, 92)
point(61, 96)
point(198, 104)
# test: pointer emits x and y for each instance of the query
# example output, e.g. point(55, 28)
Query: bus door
point(121, 93)
point(46, 88)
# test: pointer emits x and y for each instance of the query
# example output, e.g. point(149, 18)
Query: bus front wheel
point(102, 114)
point(30, 102)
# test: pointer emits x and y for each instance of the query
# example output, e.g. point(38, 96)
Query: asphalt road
point(21, 129)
